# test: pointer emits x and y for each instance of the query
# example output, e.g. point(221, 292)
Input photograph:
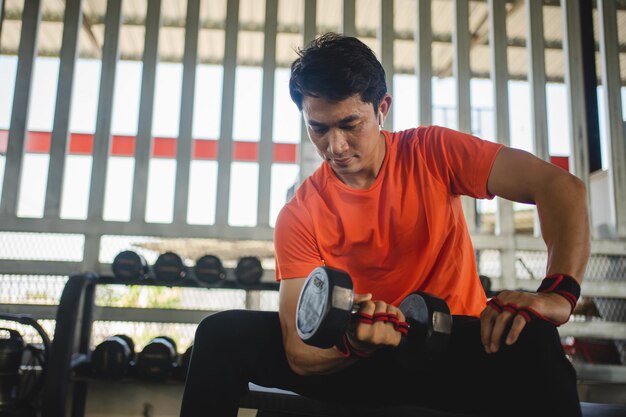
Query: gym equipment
point(23, 367)
point(326, 305)
point(114, 357)
point(12, 348)
point(209, 269)
point(169, 267)
point(157, 360)
point(249, 271)
point(129, 265)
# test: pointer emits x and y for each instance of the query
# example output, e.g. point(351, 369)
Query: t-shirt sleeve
point(295, 246)
point(461, 161)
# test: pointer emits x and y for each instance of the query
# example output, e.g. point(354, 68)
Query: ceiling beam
point(480, 39)
point(87, 26)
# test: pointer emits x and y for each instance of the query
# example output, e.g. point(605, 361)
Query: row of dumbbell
point(170, 268)
point(115, 358)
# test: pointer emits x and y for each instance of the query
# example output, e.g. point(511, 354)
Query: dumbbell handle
point(436, 323)
point(347, 349)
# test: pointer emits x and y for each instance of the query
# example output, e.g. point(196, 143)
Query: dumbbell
point(114, 357)
point(326, 305)
point(209, 269)
point(158, 358)
point(249, 271)
point(129, 265)
point(169, 268)
point(12, 348)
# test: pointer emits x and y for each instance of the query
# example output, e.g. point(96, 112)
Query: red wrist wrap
point(564, 285)
point(347, 350)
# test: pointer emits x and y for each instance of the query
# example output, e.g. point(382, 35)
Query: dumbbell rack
point(70, 346)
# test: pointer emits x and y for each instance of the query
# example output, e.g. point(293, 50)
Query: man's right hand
point(370, 337)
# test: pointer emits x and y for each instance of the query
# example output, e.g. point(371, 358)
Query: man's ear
point(383, 108)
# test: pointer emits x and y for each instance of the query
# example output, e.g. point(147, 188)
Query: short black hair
point(336, 67)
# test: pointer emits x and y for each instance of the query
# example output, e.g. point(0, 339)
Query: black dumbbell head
point(157, 359)
point(129, 265)
point(324, 307)
point(169, 267)
point(249, 270)
point(209, 269)
point(113, 357)
point(430, 325)
point(129, 343)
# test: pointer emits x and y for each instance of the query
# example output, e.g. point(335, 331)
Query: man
point(385, 207)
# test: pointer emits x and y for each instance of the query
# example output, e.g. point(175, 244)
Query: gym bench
point(272, 402)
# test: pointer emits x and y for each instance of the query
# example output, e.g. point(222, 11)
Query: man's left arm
point(561, 201)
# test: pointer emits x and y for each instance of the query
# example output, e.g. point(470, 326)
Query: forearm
point(564, 219)
point(302, 358)
point(307, 360)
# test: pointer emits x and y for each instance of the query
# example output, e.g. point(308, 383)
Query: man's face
point(346, 135)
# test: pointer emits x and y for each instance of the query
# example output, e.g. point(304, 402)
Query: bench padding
point(272, 401)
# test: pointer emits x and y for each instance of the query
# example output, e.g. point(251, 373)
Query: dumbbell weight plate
point(249, 271)
point(129, 265)
point(169, 267)
point(157, 359)
point(129, 343)
point(209, 269)
point(324, 307)
point(430, 325)
point(112, 358)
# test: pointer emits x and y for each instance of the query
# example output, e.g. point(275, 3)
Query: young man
point(385, 207)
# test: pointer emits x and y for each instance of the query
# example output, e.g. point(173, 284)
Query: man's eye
point(319, 130)
point(349, 127)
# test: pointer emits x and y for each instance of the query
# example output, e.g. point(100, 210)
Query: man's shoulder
point(411, 137)
point(409, 141)
point(309, 190)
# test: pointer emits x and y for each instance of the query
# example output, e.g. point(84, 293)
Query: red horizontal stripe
point(285, 153)
point(246, 151)
point(38, 142)
point(81, 144)
point(121, 146)
point(205, 149)
point(4, 141)
point(164, 148)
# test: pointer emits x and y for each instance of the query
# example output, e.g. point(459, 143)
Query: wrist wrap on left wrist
point(564, 285)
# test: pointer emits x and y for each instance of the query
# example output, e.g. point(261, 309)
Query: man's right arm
point(366, 338)
point(302, 358)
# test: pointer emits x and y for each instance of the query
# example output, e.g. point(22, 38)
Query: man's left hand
point(514, 309)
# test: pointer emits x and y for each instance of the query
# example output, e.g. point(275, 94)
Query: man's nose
point(337, 143)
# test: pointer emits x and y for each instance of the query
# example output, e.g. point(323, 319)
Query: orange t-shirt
point(406, 232)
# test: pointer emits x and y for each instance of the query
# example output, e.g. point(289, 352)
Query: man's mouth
point(342, 161)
